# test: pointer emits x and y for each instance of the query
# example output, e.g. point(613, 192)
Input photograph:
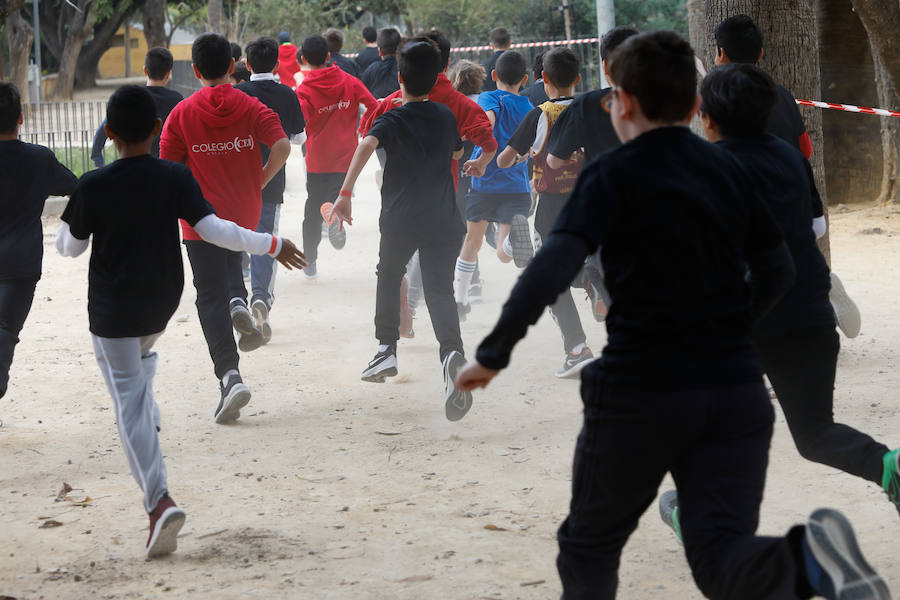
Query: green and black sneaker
point(890, 480)
point(668, 512)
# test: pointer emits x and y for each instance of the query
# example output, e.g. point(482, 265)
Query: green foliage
point(653, 14)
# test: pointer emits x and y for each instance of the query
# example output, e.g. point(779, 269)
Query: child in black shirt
point(678, 387)
point(131, 208)
point(29, 174)
point(418, 212)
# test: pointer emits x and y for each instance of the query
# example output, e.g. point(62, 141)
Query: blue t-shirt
point(509, 110)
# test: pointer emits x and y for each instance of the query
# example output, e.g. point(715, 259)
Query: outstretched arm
point(343, 208)
point(231, 236)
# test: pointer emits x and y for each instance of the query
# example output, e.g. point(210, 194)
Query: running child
point(678, 388)
point(330, 100)
point(380, 77)
point(288, 65)
point(216, 133)
point(502, 196)
point(131, 209)
point(29, 173)
point(560, 76)
point(418, 212)
point(262, 58)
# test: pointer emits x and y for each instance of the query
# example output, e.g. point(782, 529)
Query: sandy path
point(329, 487)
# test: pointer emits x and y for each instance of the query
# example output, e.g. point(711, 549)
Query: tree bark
point(79, 20)
point(21, 37)
point(89, 59)
point(154, 20)
point(215, 16)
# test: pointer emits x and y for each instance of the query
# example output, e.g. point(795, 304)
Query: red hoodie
point(471, 120)
point(216, 133)
point(287, 64)
point(330, 102)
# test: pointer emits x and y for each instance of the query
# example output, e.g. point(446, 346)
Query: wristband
point(274, 245)
point(345, 193)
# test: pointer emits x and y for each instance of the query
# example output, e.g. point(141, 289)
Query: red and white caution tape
point(531, 44)
point(850, 108)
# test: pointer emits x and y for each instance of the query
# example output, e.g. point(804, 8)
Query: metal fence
point(67, 128)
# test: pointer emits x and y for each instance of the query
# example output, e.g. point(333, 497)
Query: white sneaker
point(846, 311)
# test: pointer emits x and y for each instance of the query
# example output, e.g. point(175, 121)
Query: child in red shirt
point(329, 99)
point(216, 133)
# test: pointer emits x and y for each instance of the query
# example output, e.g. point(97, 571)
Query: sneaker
point(668, 512)
point(845, 310)
point(456, 402)
point(475, 292)
point(337, 235)
point(251, 338)
point(890, 480)
point(462, 310)
point(595, 295)
point(835, 566)
point(490, 235)
point(381, 367)
point(520, 241)
point(166, 521)
point(261, 314)
point(574, 363)
point(310, 271)
point(235, 396)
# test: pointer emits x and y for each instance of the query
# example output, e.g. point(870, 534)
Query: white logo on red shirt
point(339, 105)
point(237, 144)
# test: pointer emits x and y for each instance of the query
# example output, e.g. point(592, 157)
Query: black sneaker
point(490, 235)
point(520, 241)
point(251, 338)
point(574, 363)
point(235, 396)
point(668, 512)
point(261, 314)
point(381, 367)
point(456, 402)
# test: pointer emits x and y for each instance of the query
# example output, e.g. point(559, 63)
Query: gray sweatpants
point(128, 367)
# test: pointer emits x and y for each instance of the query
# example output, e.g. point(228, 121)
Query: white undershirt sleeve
point(67, 244)
point(298, 139)
point(231, 236)
point(819, 226)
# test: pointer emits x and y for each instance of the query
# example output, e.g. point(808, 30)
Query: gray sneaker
point(845, 309)
point(310, 271)
point(235, 396)
point(250, 338)
point(261, 313)
point(456, 402)
point(520, 241)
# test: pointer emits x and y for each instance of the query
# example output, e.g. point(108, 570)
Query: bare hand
point(290, 256)
point(473, 376)
point(342, 210)
point(473, 168)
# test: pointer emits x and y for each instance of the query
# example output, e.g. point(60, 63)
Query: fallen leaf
point(538, 582)
point(66, 488)
point(82, 503)
point(491, 527)
point(49, 523)
point(388, 432)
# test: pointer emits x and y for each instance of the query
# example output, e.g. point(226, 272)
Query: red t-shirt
point(287, 64)
point(216, 133)
point(330, 99)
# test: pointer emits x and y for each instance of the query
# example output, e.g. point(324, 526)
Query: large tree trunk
point(215, 16)
point(79, 18)
point(155, 22)
point(89, 59)
point(881, 19)
point(20, 35)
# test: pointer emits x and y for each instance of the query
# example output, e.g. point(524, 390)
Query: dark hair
point(236, 52)
point(284, 37)
point(314, 50)
point(466, 76)
point(211, 54)
point(262, 54)
point(740, 38)
point(131, 113)
point(739, 99)
point(158, 63)
point(241, 73)
point(369, 34)
point(658, 68)
point(443, 45)
point(537, 65)
point(419, 65)
point(561, 66)
point(335, 39)
point(10, 107)
point(500, 37)
point(510, 67)
point(388, 40)
point(613, 38)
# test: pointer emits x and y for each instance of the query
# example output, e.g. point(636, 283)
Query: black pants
point(715, 442)
point(563, 310)
point(801, 367)
point(16, 296)
point(218, 278)
point(437, 257)
point(320, 188)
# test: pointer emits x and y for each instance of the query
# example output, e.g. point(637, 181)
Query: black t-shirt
point(347, 65)
point(132, 207)
point(584, 124)
point(165, 100)
point(381, 77)
point(286, 105)
point(29, 174)
point(536, 92)
point(368, 56)
point(417, 190)
point(785, 121)
point(784, 181)
point(489, 85)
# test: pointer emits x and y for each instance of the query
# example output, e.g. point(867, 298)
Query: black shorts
point(497, 208)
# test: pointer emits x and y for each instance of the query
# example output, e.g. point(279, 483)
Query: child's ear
point(524, 80)
point(399, 78)
point(494, 75)
point(196, 71)
point(109, 132)
point(231, 67)
point(157, 128)
point(577, 79)
point(145, 72)
point(275, 68)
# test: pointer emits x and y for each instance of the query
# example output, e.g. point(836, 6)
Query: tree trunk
point(790, 39)
point(79, 21)
point(89, 59)
point(21, 36)
point(215, 16)
point(881, 19)
point(155, 23)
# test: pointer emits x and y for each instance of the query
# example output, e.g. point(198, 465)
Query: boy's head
point(739, 40)
point(561, 68)
point(284, 38)
point(537, 65)
point(657, 69)
point(419, 64)
point(314, 50)
point(10, 108)
point(131, 114)
point(500, 39)
point(369, 34)
point(737, 99)
point(240, 73)
point(158, 64)
point(335, 39)
point(443, 45)
point(510, 68)
point(613, 38)
point(388, 41)
point(236, 52)
point(467, 77)
point(262, 55)
point(211, 55)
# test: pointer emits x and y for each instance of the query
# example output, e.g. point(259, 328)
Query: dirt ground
point(329, 487)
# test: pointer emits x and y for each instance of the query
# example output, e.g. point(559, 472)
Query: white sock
point(577, 349)
point(463, 279)
point(228, 375)
point(507, 247)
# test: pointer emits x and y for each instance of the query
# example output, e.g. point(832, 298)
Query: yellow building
point(113, 62)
